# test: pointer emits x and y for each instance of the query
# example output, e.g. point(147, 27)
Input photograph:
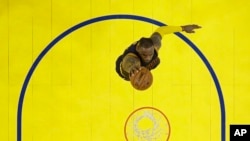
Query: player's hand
point(190, 28)
point(134, 70)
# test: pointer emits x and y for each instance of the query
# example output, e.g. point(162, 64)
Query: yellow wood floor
point(74, 93)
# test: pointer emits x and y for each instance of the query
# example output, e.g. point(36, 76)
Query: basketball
point(142, 80)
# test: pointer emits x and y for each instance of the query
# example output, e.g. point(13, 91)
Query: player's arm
point(163, 30)
point(130, 64)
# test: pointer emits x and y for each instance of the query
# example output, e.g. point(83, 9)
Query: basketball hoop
point(147, 124)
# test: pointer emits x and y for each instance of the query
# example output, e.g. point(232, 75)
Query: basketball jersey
point(155, 61)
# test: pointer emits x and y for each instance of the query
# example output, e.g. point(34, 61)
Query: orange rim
point(143, 108)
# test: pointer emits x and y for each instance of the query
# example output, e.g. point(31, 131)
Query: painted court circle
point(117, 17)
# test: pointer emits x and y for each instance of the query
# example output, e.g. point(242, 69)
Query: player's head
point(145, 48)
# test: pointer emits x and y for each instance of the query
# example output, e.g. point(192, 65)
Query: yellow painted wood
point(75, 94)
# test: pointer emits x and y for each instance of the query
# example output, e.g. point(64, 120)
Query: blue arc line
point(111, 17)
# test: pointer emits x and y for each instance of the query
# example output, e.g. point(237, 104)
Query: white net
point(147, 124)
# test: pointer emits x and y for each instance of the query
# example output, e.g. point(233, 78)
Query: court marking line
point(112, 17)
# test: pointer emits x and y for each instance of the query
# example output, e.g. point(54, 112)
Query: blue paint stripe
point(109, 17)
point(216, 81)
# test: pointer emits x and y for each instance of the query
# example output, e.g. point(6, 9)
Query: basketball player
point(145, 51)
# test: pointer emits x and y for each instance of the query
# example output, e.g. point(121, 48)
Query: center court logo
point(113, 17)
